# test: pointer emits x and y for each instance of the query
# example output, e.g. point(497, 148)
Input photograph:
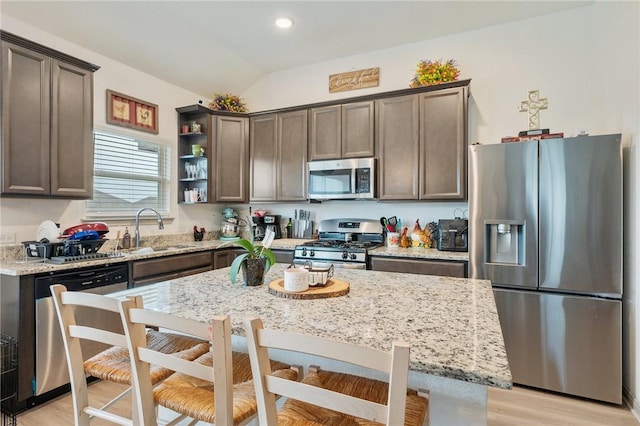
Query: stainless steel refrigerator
point(546, 229)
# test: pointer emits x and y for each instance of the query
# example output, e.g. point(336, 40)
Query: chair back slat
point(97, 335)
point(171, 322)
point(90, 300)
point(329, 399)
point(174, 363)
point(346, 352)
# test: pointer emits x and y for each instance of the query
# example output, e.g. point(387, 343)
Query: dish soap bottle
point(126, 239)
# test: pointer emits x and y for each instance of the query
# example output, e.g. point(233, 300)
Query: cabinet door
point(358, 130)
point(26, 77)
point(443, 145)
point(71, 131)
point(423, 267)
point(148, 271)
point(325, 133)
point(263, 164)
point(224, 258)
point(232, 158)
point(292, 156)
point(397, 147)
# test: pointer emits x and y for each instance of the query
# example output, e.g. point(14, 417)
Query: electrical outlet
point(7, 237)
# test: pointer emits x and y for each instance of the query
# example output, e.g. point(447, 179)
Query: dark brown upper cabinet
point(47, 121)
point(422, 145)
point(341, 131)
point(443, 144)
point(278, 163)
point(231, 148)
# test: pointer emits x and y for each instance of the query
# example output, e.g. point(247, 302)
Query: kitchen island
point(452, 325)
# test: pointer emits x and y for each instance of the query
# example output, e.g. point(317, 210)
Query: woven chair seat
point(296, 412)
point(195, 397)
point(114, 364)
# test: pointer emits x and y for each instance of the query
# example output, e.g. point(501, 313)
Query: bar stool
point(112, 364)
point(190, 390)
point(325, 397)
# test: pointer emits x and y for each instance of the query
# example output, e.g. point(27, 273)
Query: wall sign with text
point(126, 111)
point(360, 79)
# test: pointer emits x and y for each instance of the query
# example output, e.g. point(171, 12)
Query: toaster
point(453, 235)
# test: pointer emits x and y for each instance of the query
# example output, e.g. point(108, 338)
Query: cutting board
point(333, 288)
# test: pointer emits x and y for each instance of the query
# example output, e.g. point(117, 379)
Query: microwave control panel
point(363, 180)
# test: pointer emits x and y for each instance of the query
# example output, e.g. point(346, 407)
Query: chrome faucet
point(160, 223)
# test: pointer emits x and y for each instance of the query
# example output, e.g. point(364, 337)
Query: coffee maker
point(272, 222)
point(258, 227)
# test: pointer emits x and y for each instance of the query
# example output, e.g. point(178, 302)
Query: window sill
point(127, 220)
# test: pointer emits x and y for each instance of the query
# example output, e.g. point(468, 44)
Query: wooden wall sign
point(126, 111)
point(352, 80)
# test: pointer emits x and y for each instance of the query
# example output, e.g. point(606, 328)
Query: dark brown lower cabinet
point(446, 268)
point(149, 271)
point(223, 258)
point(283, 256)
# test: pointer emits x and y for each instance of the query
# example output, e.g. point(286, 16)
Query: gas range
point(343, 242)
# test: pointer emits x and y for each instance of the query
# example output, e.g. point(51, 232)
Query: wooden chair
point(112, 364)
point(191, 391)
point(329, 398)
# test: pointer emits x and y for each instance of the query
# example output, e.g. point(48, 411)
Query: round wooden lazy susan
point(333, 288)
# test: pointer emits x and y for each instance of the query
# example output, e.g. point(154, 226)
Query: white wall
point(585, 61)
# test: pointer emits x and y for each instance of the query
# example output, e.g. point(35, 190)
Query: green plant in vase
point(255, 263)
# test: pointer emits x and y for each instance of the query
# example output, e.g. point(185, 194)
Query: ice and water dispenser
point(505, 242)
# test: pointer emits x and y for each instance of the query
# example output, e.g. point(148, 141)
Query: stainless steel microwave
point(342, 179)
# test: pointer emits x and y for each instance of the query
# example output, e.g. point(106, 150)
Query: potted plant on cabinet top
point(254, 263)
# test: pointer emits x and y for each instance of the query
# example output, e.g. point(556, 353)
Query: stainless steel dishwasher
point(51, 367)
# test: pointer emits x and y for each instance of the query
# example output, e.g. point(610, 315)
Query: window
point(129, 174)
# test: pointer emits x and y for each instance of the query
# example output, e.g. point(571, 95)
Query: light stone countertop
point(179, 246)
point(451, 323)
point(37, 266)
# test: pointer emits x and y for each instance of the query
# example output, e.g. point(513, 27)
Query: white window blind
point(129, 174)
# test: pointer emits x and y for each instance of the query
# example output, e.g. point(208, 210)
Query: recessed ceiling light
point(284, 22)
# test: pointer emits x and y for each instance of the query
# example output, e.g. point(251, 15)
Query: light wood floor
point(520, 406)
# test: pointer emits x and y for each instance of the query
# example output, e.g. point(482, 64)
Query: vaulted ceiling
point(213, 46)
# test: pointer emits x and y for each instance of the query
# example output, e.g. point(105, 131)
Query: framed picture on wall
point(127, 111)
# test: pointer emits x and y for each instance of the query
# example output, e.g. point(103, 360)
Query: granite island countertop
point(451, 323)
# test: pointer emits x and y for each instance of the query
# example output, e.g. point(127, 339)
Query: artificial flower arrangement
point(434, 72)
point(228, 102)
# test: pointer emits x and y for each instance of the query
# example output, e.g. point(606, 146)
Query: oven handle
point(347, 265)
point(343, 265)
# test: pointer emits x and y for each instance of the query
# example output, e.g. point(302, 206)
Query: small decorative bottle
point(126, 239)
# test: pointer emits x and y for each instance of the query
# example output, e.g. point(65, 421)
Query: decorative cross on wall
point(533, 106)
